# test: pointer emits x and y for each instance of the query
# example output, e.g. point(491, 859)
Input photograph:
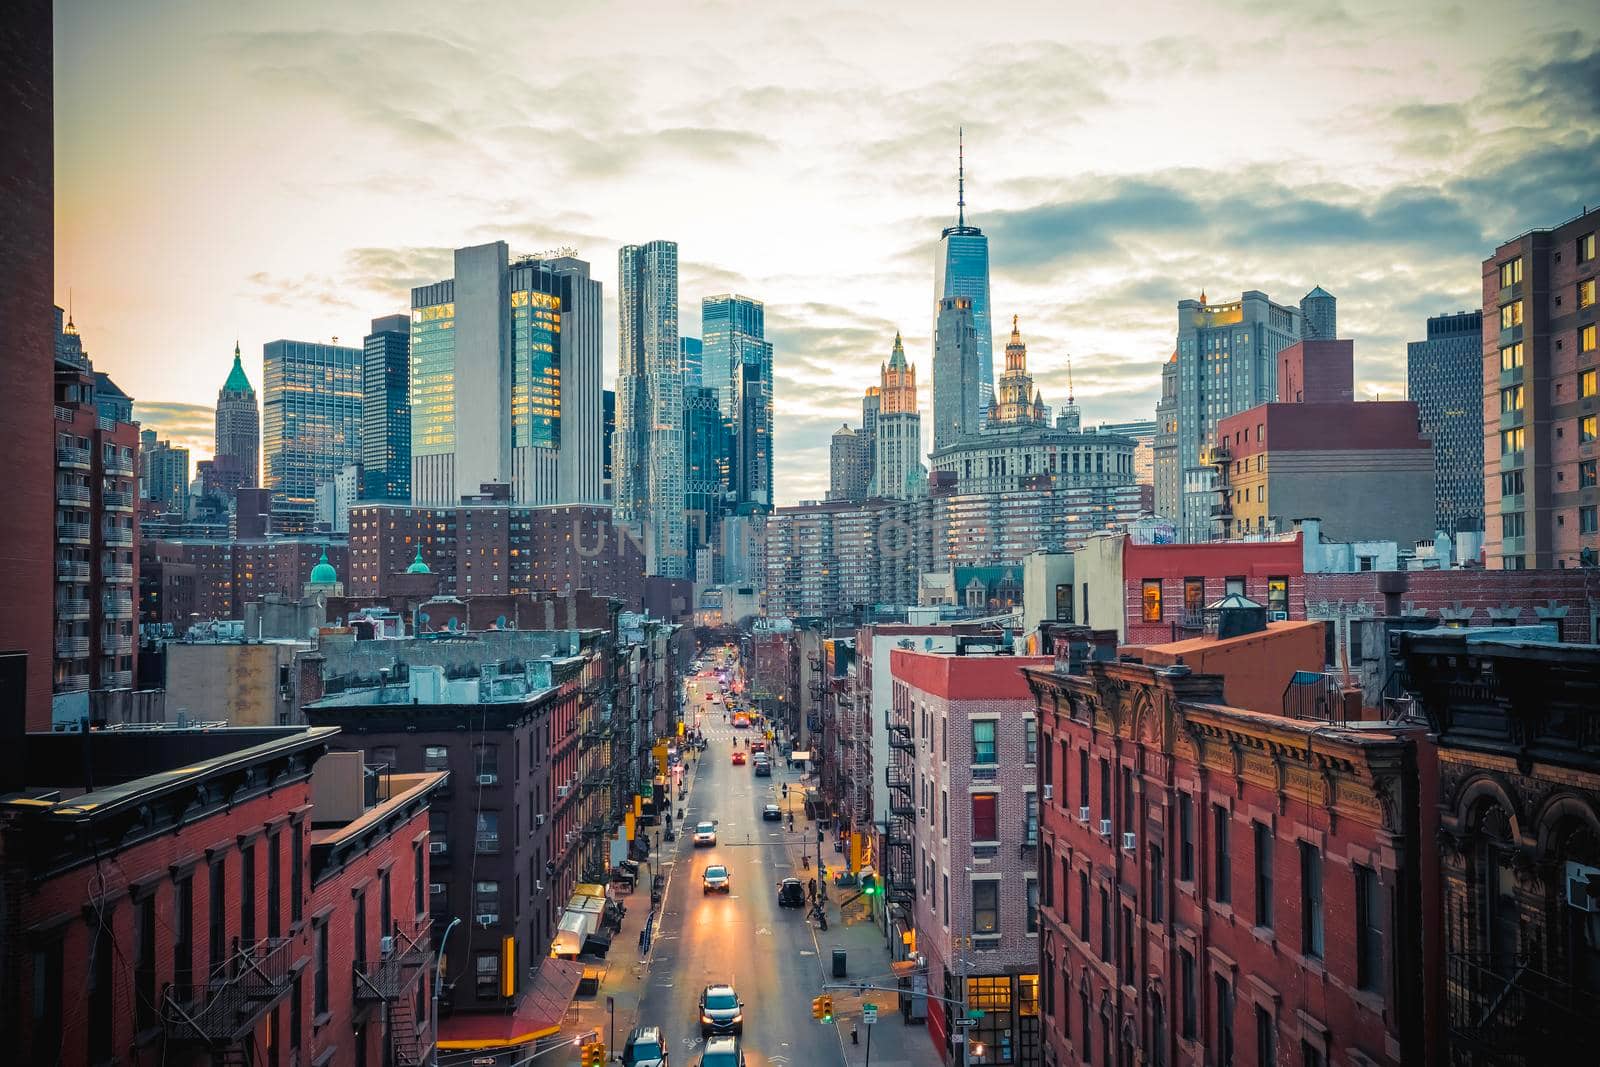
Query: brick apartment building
point(523, 819)
point(211, 894)
point(1541, 397)
point(227, 575)
point(1224, 884)
point(963, 846)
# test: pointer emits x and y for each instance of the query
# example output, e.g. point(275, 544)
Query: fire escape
point(843, 760)
point(599, 734)
point(222, 1014)
point(900, 876)
point(1220, 456)
point(396, 981)
point(861, 771)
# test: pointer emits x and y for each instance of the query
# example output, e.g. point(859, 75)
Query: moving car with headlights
point(716, 879)
point(772, 813)
point(791, 894)
point(645, 1048)
point(723, 1052)
point(705, 833)
point(721, 1011)
point(762, 765)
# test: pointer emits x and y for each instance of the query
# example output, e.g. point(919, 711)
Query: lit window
point(1152, 600)
point(1586, 339)
point(1511, 272)
point(1588, 428)
point(1511, 399)
point(1511, 357)
point(1587, 383)
point(1586, 248)
point(1511, 315)
point(1511, 441)
point(1588, 474)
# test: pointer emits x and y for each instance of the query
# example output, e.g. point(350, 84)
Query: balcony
point(116, 679)
point(395, 974)
point(116, 500)
point(1512, 1014)
point(72, 647)
point(72, 609)
point(76, 458)
point(72, 571)
point(116, 535)
point(1221, 511)
point(1217, 454)
point(234, 999)
point(72, 495)
point(116, 644)
point(72, 683)
point(900, 737)
point(120, 466)
point(117, 607)
point(118, 573)
point(72, 533)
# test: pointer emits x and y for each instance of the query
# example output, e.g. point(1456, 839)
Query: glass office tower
point(962, 269)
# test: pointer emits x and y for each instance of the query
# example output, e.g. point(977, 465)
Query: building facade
point(897, 470)
point(708, 477)
point(648, 447)
point(386, 409)
point(847, 464)
point(1444, 378)
point(236, 460)
point(1319, 315)
point(1541, 400)
point(728, 322)
point(961, 268)
point(163, 474)
point(311, 420)
point(1225, 362)
point(958, 403)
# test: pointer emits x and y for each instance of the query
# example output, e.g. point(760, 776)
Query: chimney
point(1393, 585)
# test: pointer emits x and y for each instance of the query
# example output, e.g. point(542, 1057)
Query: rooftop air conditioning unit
point(1127, 842)
point(1049, 791)
point(488, 920)
point(1083, 814)
point(486, 779)
point(1105, 827)
point(436, 847)
point(386, 946)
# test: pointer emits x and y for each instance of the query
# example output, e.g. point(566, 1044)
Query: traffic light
point(869, 885)
point(594, 1054)
point(822, 1008)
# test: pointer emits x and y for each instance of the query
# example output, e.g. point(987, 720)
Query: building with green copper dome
point(324, 579)
point(418, 565)
point(237, 459)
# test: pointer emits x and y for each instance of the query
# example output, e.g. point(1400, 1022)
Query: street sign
point(869, 1014)
point(975, 1013)
point(965, 1024)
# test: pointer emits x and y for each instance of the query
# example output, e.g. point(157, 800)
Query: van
point(571, 934)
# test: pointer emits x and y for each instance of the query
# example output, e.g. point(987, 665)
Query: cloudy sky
point(291, 169)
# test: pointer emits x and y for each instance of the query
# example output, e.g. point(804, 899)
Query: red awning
point(538, 1012)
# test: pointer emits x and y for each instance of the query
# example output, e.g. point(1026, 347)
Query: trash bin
point(838, 963)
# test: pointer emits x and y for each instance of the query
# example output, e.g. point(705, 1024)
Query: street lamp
point(438, 982)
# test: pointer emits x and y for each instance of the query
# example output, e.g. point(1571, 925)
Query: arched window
point(1576, 850)
point(1494, 889)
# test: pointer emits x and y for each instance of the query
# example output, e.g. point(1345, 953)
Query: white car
point(705, 833)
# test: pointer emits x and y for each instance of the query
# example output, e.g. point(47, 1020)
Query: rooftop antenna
point(1069, 380)
point(961, 176)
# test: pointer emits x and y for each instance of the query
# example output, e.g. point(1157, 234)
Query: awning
point(538, 1012)
point(803, 754)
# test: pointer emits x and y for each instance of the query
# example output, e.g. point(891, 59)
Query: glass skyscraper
point(386, 410)
point(312, 423)
point(962, 269)
point(1445, 378)
point(727, 322)
point(648, 449)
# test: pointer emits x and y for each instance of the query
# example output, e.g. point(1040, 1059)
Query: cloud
point(191, 426)
point(308, 289)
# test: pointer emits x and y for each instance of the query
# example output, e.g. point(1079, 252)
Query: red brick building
point(965, 809)
point(1222, 885)
point(212, 894)
point(227, 575)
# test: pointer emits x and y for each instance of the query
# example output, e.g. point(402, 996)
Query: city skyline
point(1383, 172)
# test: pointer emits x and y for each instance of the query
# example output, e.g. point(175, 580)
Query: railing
point(71, 457)
point(115, 535)
point(1513, 1014)
point(120, 466)
point(71, 571)
point(117, 679)
point(71, 683)
point(118, 572)
point(1191, 620)
point(116, 500)
point(1221, 510)
point(72, 609)
point(238, 994)
point(390, 977)
point(116, 644)
point(76, 532)
point(72, 646)
point(115, 607)
point(72, 494)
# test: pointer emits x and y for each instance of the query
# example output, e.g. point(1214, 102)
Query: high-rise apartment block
point(506, 379)
point(96, 535)
point(163, 474)
point(962, 269)
point(728, 322)
point(737, 365)
point(649, 447)
point(897, 471)
point(847, 464)
point(386, 409)
point(608, 433)
point(1541, 401)
point(1225, 362)
point(707, 476)
point(236, 457)
point(312, 424)
point(693, 351)
point(1444, 376)
point(958, 403)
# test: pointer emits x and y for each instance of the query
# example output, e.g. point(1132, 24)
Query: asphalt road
point(769, 954)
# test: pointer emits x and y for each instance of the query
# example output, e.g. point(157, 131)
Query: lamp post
point(438, 982)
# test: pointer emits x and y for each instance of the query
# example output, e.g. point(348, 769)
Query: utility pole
point(438, 980)
point(961, 946)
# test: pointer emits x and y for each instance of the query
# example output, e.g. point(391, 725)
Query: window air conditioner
point(1127, 842)
point(561, 791)
point(386, 946)
point(437, 888)
point(488, 920)
point(1049, 791)
point(486, 779)
point(1083, 814)
point(1583, 887)
point(1105, 827)
point(539, 819)
point(1278, 616)
point(436, 847)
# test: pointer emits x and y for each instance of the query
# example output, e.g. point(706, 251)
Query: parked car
point(772, 813)
point(763, 767)
point(791, 894)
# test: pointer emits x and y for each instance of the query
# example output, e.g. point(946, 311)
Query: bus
point(741, 720)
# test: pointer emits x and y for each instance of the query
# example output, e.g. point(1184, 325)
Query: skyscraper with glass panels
point(962, 269)
point(727, 323)
point(648, 449)
point(386, 410)
point(312, 424)
point(506, 379)
point(1445, 378)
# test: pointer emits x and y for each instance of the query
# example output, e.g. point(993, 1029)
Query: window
point(1185, 837)
point(1586, 248)
point(358, 929)
point(1511, 315)
point(183, 937)
point(1083, 906)
point(1194, 598)
point(1187, 983)
point(297, 843)
point(1511, 357)
point(1369, 930)
point(1263, 875)
point(1151, 598)
point(144, 966)
point(1510, 272)
point(382, 755)
point(1511, 399)
point(1221, 869)
point(986, 906)
point(1087, 1018)
point(1588, 519)
point(1586, 293)
point(1266, 1039)
point(486, 967)
point(1031, 743)
point(1083, 778)
point(1512, 524)
point(486, 763)
point(1127, 945)
point(1588, 474)
point(319, 989)
point(985, 820)
point(1511, 441)
point(1105, 789)
point(488, 831)
point(1278, 595)
point(274, 886)
point(1033, 906)
point(1587, 338)
point(1105, 925)
point(1233, 585)
point(1310, 900)
point(1588, 428)
point(435, 758)
point(486, 902)
point(100, 1024)
point(1158, 886)
point(217, 927)
point(1030, 820)
point(983, 750)
point(1511, 483)
point(247, 894)
point(1224, 1023)
point(1158, 1032)
point(1311, 1055)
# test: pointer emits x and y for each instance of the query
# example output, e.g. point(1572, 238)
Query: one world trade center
point(962, 269)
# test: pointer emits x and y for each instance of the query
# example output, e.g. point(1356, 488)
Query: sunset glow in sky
point(291, 169)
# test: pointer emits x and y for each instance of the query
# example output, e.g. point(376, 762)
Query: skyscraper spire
point(961, 176)
point(1069, 380)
